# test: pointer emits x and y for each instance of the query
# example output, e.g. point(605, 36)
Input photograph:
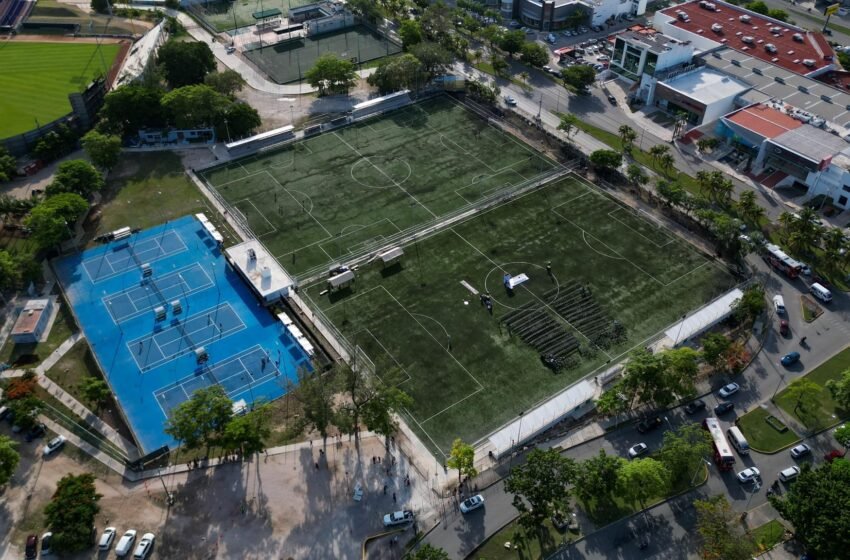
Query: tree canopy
point(462, 458)
point(720, 535)
point(683, 451)
point(410, 32)
point(227, 82)
point(8, 165)
point(606, 159)
point(248, 432)
point(840, 389)
point(75, 176)
point(579, 77)
point(512, 41)
point(641, 479)
point(128, 108)
point(434, 58)
point(534, 54)
point(70, 513)
point(201, 420)
point(103, 150)
point(397, 73)
point(541, 485)
point(330, 74)
point(52, 221)
point(95, 391)
point(185, 62)
point(9, 458)
point(428, 552)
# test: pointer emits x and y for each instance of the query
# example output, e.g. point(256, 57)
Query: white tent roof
point(542, 417)
point(704, 318)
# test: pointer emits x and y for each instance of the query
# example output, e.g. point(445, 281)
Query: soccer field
point(332, 196)
point(227, 15)
point(616, 280)
point(36, 78)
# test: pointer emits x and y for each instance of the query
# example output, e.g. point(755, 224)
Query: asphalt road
point(673, 522)
point(813, 20)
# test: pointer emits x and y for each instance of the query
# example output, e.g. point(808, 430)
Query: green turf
point(828, 412)
point(761, 436)
point(768, 535)
point(335, 194)
point(228, 15)
point(466, 374)
point(287, 61)
point(37, 78)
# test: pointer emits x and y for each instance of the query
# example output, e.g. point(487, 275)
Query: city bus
point(723, 456)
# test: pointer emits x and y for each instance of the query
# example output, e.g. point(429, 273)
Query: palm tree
point(808, 229)
point(786, 224)
point(627, 137)
point(658, 151)
point(834, 248)
point(666, 161)
point(749, 209)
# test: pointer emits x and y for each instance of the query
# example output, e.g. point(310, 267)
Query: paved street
point(671, 534)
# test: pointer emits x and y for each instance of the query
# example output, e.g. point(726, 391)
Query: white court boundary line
point(322, 242)
point(263, 216)
point(670, 238)
point(131, 246)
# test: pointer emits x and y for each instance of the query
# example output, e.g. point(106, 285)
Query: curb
point(376, 536)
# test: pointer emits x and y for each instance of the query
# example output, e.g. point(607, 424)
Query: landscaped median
point(764, 432)
point(814, 409)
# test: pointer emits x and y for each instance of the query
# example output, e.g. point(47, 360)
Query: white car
point(789, 474)
point(143, 549)
point(800, 451)
point(105, 542)
point(638, 450)
point(748, 475)
point(510, 101)
point(729, 390)
point(54, 445)
point(472, 503)
point(398, 518)
point(125, 543)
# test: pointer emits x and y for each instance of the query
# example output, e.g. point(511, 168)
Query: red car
point(783, 328)
point(833, 455)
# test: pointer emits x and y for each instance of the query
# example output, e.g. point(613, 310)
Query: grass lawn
point(611, 269)
point(768, 535)
point(487, 68)
point(528, 548)
point(761, 436)
point(828, 412)
point(30, 355)
point(37, 78)
point(147, 189)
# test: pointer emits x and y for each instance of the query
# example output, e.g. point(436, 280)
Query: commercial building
point(33, 322)
point(561, 14)
point(702, 94)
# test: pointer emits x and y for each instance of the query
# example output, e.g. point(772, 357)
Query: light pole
point(516, 443)
point(699, 468)
point(756, 488)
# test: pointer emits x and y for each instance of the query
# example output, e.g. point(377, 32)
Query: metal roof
point(812, 143)
point(763, 120)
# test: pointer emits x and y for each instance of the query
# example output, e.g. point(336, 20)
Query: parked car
point(748, 475)
point(800, 451)
point(143, 549)
point(125, 544)
point(612, 100)
point(723, 408)
point(649, 424)
point(105, 542)
point(638, 450)
point(833, 455)
point(694, 406)
point(510, 101)
point(398, 518)
point(54, 445)
point(230, 49)
point(602, 58)
point(790, 358)
point(472, 503)
point(789, 474)
point(728, 390)
point(36, 432)
point(46, 538)
point(784, 329)
point(31, 548)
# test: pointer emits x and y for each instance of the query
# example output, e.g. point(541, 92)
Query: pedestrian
point(393, 460)
point(385, 489)
point(311, 443)
point(393, 497)
point(321, 451)
point(317, 466)
point(373, 460)
point(549, 268)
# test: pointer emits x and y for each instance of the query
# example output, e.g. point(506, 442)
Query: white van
point(779, 304)
point(820, 292)
point(738, 441)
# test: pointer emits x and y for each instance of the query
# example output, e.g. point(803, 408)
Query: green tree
point(428, 552)
point(8, 165)
point(25, 410)
point(100, 6)
point(492, 34)
point(579, 77)
point(758, 7)
point(627, 137)
point(238, 119)
point(462, 458)
point(658, 378)
point(228, 82)
point(606, 159)
point(500, 66)
point(720, 535)
point(534, 54)
point(397, 73)
point(642, 479)
point(804, 392)
point(715, 186)
point(194, 106)
point(707, 144)
point(683, 451)
point(52, 220)
point(541, 485)
point(569, 124)
point(714, 345)
point(10, 270)
point(70, 513)
point(379, 413)
point(75, 176)
point(658, 151)
point(778, 14)
point(410, 32)
point(666, 161)
point(839, 389)
point(185, 63)
point(95, 391)
point(817, 505)
point(671, 193)
point(248, 432)
point(636, 174)
point(315, 393)
point(614, 401)
point(835, 249)
point(748, 208)
point(201, 420)
point(751, 305)
point(128, 108)
point(596, 478)
point(434, 58)
point(842, 435)
point(56, 143)
point(9, 459)
point(331, 74)
point(512, 42)
point(103, 150)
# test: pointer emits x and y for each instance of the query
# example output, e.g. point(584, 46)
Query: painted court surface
point(331, 196)
point(616, 280)
point(36, 79)
point(151, 364)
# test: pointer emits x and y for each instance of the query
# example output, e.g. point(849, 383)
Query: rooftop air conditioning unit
point(716, 27)
point(747, 39)
point(745, 18)
point(770, 47)
point(808, 62)
point(797, 37)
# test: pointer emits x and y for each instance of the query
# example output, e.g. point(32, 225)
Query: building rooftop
point(30, 316)
point(812, 143)
point(258, 266)
point(724, 24)
point(653, 42)
point(764, 120)
point(779, 84)
point(839, 79)
point(706, 85)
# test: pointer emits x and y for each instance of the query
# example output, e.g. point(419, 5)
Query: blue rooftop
point(187, 323)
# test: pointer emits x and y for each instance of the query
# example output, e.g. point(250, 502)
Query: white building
point(640, 55)
point(702, 94)
point(33, 324)
point(560, 14)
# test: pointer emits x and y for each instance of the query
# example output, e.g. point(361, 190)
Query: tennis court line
point(657, 246)
point(160, 254)
point(381, 171)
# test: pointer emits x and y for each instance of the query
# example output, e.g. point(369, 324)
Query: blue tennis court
point(148, 295)
point(145, 328)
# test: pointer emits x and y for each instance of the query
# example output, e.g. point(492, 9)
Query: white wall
point(830, 182)
point(604, 9)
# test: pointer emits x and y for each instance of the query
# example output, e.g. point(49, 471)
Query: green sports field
point(227, 15)
point(337, 194)
point(36, 79)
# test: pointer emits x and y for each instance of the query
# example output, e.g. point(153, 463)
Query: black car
point(31, 550)
point(612, 100)
point(723, 408)
point(649, 424)
point(36, 432)
point(694, 406)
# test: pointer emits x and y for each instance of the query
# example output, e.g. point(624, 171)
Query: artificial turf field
point(328, 197)
point(36, 79)
point(228, 15)
point(466, 373)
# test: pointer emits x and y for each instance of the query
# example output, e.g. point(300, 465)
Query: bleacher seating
point(13, 10)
